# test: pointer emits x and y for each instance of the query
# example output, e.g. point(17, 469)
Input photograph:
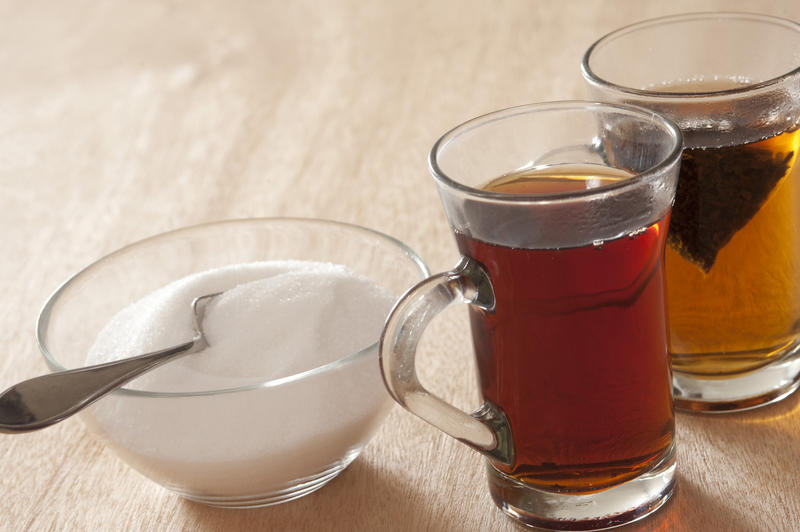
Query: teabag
point(719, 192)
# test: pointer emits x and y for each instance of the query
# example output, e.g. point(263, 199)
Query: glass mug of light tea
point(560, 212)
point(733, 249)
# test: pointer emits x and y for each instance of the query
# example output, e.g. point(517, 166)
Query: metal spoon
point(42, 401)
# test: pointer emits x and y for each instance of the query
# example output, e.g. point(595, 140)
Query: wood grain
point(122, 120)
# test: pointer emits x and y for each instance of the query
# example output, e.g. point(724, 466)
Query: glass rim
point(591, 77)
point(667, 125)
point(43, 319)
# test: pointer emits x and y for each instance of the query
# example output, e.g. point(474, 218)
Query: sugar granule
point(273, 319)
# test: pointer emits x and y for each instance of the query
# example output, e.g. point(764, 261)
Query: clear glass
point(255, 445)
point(731, 81)
point(566, 303)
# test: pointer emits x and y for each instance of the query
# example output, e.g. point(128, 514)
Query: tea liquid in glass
point(575, 352)
point(733, 253)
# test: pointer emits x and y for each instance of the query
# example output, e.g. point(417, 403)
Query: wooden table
point(122, 120)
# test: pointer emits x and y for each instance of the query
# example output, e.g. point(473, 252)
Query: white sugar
point(273, 319)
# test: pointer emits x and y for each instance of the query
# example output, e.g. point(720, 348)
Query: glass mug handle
point(485, 430)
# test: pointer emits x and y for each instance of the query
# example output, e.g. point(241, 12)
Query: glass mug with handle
point(560, 211)
point(733, 249)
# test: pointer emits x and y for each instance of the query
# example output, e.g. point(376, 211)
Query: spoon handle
point(42, 401)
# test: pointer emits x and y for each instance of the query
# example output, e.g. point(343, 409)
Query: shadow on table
point(760, 444)
point(361, 498)
point(756, 465)
point(693, 509)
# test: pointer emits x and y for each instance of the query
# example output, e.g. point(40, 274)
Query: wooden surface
point(119, 120)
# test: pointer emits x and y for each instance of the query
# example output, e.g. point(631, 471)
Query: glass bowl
point(256, 445)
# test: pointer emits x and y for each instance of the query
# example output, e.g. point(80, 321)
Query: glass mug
point(731, 81)
point(560, 212)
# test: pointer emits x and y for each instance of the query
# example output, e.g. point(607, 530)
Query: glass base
point(766, 385)
point(609, 508)
point(277, 495)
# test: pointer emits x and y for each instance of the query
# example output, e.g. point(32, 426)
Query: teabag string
point(708, 211)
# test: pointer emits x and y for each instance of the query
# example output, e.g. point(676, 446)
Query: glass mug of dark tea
point(560, 212)
point(731, 81)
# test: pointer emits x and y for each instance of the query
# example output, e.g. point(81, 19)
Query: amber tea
point(575, 352)
point(733, 248)
point(733, 257)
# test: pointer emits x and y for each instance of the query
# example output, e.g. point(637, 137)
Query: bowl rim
point(43, 318)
